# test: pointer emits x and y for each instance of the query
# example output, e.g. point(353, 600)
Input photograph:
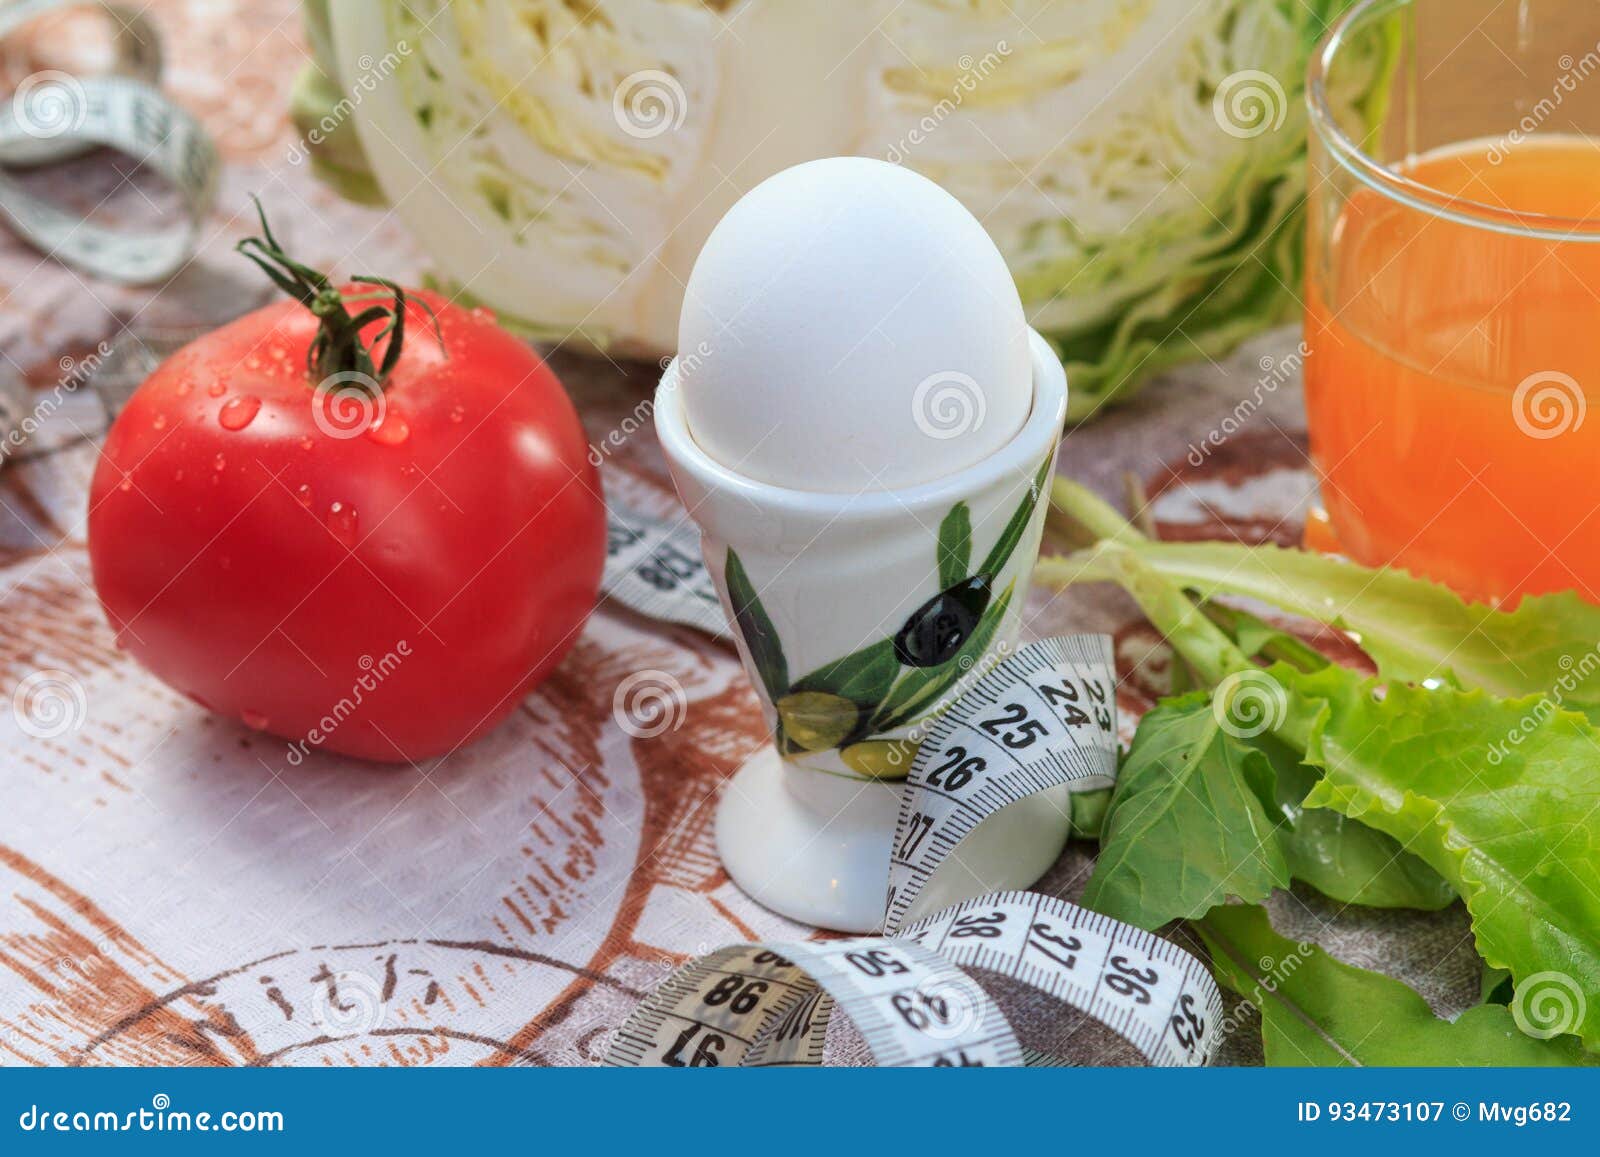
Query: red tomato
point(384, 574)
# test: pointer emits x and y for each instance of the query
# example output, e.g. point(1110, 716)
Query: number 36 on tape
point(915, 996)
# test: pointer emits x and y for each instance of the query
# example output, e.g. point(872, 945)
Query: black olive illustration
point(937, 629)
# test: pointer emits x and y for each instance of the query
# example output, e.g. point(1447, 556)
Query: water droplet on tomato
point(237, 413)
point(457, 413)
point(184, 387)
point(219, 463)
point(483, 313)
point(303, 494)
point(254, 719)
point(159, 422)
point(306, 443)
point(217, 388)
point(252, 362)
point(177, 475)
point(391, 431)
point(342, 522)
point(125, 484)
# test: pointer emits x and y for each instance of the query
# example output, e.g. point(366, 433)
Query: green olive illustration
point(881, 758)
point(815, 720)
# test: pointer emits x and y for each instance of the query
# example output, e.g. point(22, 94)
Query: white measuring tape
point(54, 116)
point(1046, 716)
point(654, 565)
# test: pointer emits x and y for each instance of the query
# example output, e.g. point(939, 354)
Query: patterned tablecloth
point(172, 891)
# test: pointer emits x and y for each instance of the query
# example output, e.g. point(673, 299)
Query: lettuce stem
point(1211, 654)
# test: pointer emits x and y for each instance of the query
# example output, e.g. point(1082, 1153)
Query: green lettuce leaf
point(1089, 810)
point(1501, 798)
point(1414, 629)
point(1345, 860)
point(1316, 1010)
point(1186, 829)
point(1200, 814)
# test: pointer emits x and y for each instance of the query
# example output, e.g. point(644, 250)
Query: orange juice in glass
point(1453, 292)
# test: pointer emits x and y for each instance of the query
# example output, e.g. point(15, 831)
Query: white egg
point(849, 326)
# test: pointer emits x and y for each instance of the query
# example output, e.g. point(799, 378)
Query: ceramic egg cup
point(857, 617)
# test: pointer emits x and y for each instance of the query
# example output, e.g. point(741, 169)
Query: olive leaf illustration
point(955, 545)
point(760, 636)
point(1006, 544)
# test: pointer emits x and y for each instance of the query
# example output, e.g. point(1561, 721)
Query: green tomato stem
point(338, 348)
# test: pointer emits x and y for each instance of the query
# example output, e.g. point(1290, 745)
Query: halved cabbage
point(1141, 163)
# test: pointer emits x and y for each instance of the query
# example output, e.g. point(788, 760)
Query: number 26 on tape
point(957, 769)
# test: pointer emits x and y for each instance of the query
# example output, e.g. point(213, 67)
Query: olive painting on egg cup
point(856, 703)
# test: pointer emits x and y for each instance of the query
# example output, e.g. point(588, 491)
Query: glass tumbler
point(1453, 292)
